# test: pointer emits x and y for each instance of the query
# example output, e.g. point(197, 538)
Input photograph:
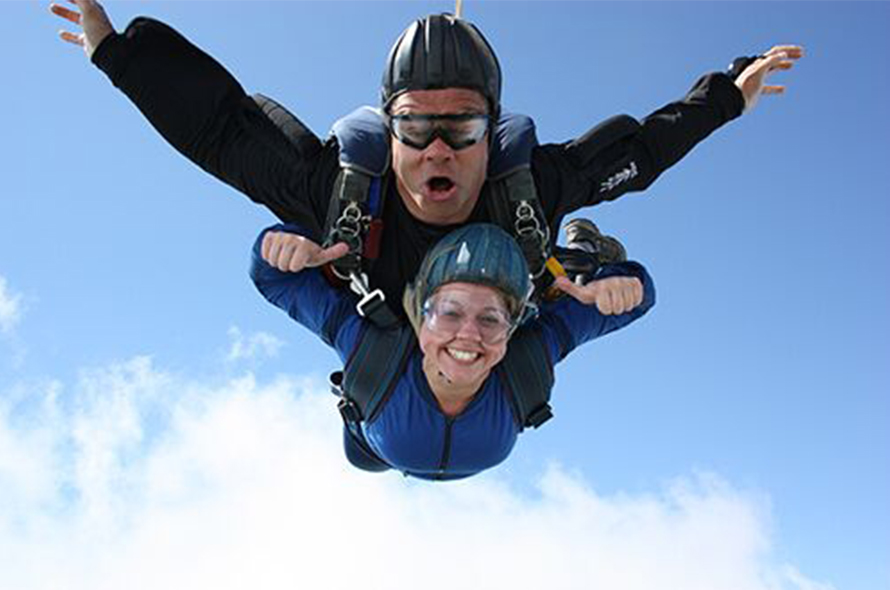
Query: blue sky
point(745, 423)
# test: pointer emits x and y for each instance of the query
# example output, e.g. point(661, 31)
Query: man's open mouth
point(440, 184)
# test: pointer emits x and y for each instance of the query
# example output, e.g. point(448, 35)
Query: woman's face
point(465, 331)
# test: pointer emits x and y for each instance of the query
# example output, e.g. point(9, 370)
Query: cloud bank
point(140, 479)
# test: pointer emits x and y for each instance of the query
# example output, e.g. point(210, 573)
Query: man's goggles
point(458, 131)
point(447, 315)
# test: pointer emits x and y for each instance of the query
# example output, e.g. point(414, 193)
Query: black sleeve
point(622, 155)
point(203, 112)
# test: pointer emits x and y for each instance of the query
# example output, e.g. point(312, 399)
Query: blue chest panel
point(415, 437)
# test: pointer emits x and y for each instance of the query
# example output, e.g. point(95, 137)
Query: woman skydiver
point(447, 409)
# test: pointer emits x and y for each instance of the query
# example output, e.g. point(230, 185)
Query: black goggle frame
point(458, 131)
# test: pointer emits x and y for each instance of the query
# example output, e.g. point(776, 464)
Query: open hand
point(612, 295)
point(292, 253)
point(752, 79)
point(94, 23)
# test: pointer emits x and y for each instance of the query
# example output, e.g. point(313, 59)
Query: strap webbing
point(374, 368)
point(529, 374)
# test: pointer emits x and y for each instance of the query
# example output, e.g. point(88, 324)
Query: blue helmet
point(478, 253)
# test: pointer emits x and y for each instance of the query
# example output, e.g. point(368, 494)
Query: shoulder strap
point(529, 375)
point(514, 198)
point(355, 213)
point(356, 208)
point(372, 371)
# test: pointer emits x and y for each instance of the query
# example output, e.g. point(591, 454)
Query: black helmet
point(442, 51)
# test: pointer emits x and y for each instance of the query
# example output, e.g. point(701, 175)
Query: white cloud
point(252, 347)
point(133, 478)
point(10, 308)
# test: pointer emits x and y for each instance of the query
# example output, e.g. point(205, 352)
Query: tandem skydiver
point(442, 396)
point(438, 127)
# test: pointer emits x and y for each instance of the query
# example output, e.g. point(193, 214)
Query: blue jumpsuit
point(410, 432)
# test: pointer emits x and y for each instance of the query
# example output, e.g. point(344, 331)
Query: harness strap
point(529, 225)
point(372, 371)
point(356, 208)
point(528, 372)
point(346, 220)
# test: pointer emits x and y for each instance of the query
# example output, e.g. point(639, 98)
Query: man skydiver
point(440, 116)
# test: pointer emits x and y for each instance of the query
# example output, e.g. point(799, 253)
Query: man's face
point(438, 184)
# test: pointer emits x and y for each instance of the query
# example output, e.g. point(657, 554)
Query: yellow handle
point(555, 267)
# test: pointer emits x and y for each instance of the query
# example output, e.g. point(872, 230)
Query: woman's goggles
point(447, 315)
point(458, 131)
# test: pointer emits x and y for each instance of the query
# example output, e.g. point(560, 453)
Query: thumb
point(322, 256)
point(585, 294)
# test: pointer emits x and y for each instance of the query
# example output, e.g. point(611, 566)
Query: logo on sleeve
point(619, 178)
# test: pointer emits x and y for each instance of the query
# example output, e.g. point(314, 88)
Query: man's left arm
point(623, 155)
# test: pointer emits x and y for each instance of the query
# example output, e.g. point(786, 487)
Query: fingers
point(270, 248)
point(773, 90)
point(65, 13)
point(773, 62)
point(790, 51)
point(76, 38)
point(618, 295)
point(781, 57)
point(294, 254)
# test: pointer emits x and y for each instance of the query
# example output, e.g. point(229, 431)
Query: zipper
point(446, 446)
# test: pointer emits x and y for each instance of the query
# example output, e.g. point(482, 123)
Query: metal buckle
point(529, 229)
point(370, 300)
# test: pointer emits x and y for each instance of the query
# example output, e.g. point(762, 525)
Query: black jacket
point(202, 111)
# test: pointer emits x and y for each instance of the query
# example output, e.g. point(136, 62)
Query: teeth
point(463, 355)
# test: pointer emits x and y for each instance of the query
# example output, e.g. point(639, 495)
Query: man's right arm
point(203, 112)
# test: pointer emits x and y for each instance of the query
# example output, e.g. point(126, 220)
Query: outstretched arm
point(204, 113)
point(623, 155)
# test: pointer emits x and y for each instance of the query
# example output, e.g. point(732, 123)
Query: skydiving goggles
point(457, 131)
point(446, 315)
